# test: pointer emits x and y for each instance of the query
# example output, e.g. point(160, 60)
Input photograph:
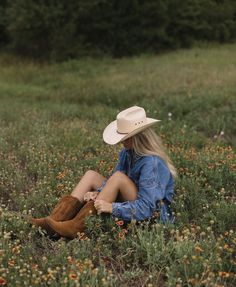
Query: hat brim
point(111, 136)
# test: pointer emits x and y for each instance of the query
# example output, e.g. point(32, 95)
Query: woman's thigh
point(128, 190)
point(119, 187)
point(89, 182)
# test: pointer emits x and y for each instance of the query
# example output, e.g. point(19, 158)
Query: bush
point(62, 29)
point(3, 19)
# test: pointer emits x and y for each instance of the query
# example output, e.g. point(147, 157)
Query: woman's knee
point(91, 173)
point(117, 176)
point(121, 178)
point(94, 178)
point(127, 188)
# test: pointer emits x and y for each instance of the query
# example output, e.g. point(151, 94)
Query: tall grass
point(51, 122)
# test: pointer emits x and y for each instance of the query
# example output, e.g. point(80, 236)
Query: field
point(51, 121)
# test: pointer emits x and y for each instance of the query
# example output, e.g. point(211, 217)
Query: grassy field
point(51, 121)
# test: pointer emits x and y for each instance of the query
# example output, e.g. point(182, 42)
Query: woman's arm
point(151, 190)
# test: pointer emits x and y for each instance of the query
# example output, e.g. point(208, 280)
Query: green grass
point(51, 121)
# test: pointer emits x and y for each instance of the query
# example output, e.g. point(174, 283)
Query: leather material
point(41, 222)
point(71, 228)
point(67, 207)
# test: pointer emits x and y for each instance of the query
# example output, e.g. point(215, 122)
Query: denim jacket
point(155, 186)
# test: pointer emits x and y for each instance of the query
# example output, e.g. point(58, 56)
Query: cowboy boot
point(67, 207)
point(70, 228)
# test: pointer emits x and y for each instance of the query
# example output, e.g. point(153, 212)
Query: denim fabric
point(154, 183)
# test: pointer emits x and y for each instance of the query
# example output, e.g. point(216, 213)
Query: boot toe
point(65, 228)
point(53, 225)
point(42, 222)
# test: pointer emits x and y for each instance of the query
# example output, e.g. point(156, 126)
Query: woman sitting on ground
point(141, 184)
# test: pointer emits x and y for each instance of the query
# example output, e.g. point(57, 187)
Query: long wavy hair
point(148, 142)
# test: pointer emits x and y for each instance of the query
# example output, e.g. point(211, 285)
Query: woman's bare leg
point(89, 182)
point(120, 185)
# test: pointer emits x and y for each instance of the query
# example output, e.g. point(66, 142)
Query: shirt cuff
point(116, 212)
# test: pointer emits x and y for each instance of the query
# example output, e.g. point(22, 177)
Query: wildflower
point(121, 235)
point(120, 222)
point(226, 247)
point(61, 175)
point(2, 281)
point(80, 266)
point(34, 266)
point(222, 133)
point(16, 249)
point(11, 263)
point(60, 186)
point(224, 274)
point(82, 236)
point(70, 260)
point(72, 276)
point(98, 225)
point(198, 249)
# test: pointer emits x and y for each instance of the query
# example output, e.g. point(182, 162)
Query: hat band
point(121, 132)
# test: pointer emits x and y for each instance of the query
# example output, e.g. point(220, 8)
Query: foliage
point(3, 24)
point(51, 120)
point(201, 20)
point(60, 29)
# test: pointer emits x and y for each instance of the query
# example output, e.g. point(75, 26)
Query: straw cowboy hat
point(128, 123)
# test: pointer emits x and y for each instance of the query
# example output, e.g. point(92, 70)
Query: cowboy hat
point(128, 123)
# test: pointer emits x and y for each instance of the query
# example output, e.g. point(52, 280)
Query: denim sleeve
point(120, 164)
point(150, 190)
point(119, 167)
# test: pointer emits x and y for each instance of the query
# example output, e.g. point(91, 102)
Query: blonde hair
point(148, 142)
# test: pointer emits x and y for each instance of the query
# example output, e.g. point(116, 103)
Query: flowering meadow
point(51, 121)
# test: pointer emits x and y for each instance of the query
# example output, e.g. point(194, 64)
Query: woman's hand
point(91, 195)
point(103, 206)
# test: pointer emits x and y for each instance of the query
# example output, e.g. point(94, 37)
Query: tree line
point(62, 29)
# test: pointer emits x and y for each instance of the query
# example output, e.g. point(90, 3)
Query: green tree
point(3, 23)
point(62, 29)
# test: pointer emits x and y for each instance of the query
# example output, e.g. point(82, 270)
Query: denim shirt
point(154, 182)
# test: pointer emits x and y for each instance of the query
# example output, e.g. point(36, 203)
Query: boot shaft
point(71, 228)
point(67, 207)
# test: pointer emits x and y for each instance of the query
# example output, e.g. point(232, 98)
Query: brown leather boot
point(70, 228)
point(67, 207)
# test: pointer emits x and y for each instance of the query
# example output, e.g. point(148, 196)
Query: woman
point(142, 182)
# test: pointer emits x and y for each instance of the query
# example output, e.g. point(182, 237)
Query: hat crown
point(131, 119)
